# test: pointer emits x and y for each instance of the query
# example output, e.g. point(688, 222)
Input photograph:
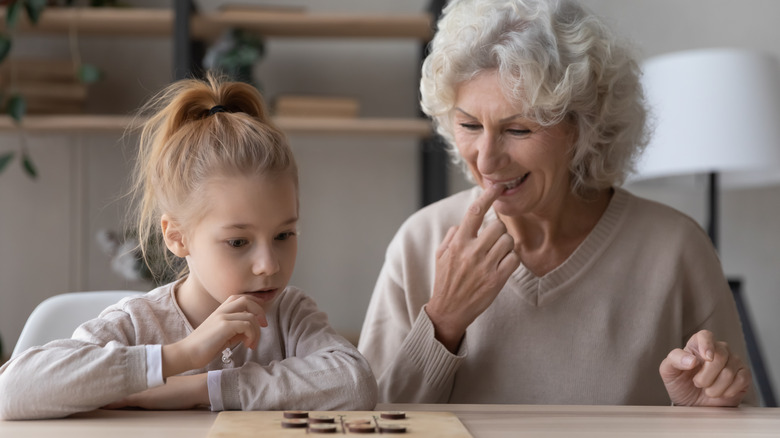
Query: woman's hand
point(236, 320)
point(705, 373)
point(471, 269)
point(179, 392)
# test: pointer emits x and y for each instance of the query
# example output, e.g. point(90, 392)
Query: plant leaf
point(34, 9)
point(5, 159)
point(29, 166)
point(89, 74)
point(5, 46)
point(16, 108)
point(12, 14)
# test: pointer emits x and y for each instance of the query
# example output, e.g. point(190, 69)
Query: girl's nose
point(265, 262)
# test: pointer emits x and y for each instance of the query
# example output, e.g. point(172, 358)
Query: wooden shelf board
point(58, 124)
point(159, 22)
point(98, 21)
point(301, 24)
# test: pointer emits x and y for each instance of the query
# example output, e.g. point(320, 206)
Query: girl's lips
point(264, 295)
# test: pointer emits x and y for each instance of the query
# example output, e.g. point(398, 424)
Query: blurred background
point(356, 188)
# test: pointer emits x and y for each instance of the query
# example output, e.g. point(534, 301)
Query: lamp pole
point(713, 190)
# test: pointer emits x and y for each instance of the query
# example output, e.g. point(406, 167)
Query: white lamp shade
point(713, 110)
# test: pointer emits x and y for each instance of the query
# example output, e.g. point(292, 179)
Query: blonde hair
point(556, 59)
point(197, 130)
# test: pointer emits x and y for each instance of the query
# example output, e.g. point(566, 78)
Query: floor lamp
point(716, 112)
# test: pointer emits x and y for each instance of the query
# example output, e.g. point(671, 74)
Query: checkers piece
point(392, 428)
point(316, 419)
point(323, 428)
point(393, 415)
point(296, 414)
point(361, 428)
point(295, 423)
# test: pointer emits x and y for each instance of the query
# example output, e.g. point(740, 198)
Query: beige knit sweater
point(299, 363)
point(593, 331)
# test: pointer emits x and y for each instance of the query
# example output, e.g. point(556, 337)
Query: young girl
point(218, 180)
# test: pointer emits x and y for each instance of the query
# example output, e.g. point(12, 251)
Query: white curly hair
point(557, 60)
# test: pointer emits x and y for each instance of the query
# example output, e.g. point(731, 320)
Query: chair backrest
point(57, 317)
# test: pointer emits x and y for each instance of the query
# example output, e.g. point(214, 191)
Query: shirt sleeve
point(398, 337)
point(97, 366)
point(214, 381)
point(321, 370)
point(154, 375)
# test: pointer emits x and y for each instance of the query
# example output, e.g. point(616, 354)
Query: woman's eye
point(470, 126)
point(237, 243)
point(519, 132)
point(285, 235)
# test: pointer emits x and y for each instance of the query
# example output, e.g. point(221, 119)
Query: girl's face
point(246, 243)
point(500, 146)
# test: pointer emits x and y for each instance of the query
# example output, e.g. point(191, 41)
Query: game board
point(263, 424)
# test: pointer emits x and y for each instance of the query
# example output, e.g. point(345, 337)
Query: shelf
point(60, 124)
point(159, 22)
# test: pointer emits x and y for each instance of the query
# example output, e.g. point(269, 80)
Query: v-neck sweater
point(592, 331)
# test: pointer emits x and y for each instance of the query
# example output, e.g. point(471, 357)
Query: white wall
point(354, 191)
point(749, 238)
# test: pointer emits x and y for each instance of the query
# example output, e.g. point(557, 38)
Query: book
point(315, 106)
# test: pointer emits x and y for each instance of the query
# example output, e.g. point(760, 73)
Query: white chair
point(57, 317)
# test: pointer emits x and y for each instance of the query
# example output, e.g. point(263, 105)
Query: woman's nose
point(265, 262)
point(490, 154)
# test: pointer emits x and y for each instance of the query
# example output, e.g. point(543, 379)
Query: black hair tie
point(217, 109)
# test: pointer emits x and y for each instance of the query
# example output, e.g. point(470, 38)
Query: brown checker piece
point(266, 424)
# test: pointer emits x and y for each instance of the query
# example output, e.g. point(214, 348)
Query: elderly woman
point(547, 283)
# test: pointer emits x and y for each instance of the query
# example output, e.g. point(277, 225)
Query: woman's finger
point(722, 381)
point(477, 210)
point(445, 243)
point(502, 246)
point(702, 344)
point(711, 369)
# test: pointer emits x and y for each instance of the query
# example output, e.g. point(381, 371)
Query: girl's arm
point(97, 366)
point(321, 370)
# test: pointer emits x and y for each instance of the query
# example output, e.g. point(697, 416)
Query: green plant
point(12, 102)
point(235, 54)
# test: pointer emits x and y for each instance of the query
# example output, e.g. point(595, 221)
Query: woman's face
point(500, 146)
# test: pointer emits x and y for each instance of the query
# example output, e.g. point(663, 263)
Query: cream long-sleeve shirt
point(299, 363)
point(592, 331)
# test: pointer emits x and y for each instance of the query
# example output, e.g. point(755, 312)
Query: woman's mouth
point(512, 184)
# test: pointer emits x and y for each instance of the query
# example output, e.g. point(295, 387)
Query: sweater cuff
point(154, 375)
point(214, 382)
point(229, 389)
point(430, 355)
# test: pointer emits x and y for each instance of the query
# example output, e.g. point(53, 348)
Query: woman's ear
point(173, 236)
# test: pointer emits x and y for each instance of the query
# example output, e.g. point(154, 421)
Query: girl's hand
point(179, 392)
point(705, 373)
point(236, 320)
point(471, 269)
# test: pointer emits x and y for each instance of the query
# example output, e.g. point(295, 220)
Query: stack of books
point(315, 106)
point(48, 86)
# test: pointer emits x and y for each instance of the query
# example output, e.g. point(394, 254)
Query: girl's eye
point(237, 243)
point(285, 235)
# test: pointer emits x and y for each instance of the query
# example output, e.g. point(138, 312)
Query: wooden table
point(483, 421)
